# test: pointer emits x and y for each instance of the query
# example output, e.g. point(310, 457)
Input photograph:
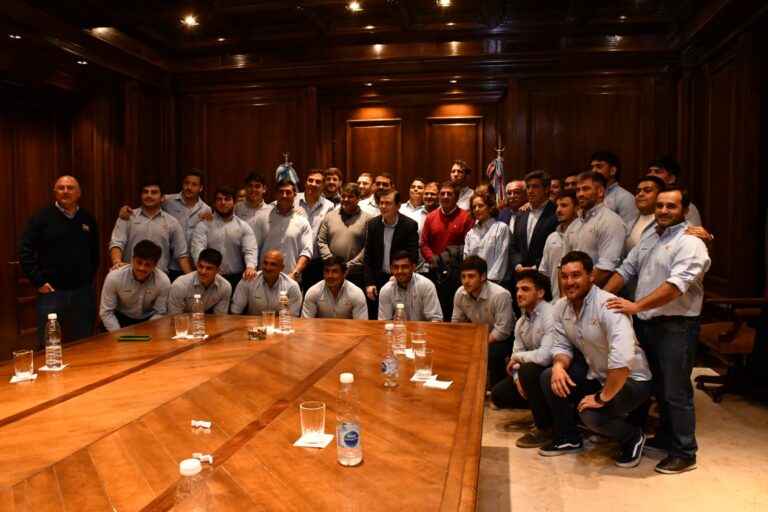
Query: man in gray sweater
point(342, 233)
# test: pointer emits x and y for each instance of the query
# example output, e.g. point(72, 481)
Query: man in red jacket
point(444, 230)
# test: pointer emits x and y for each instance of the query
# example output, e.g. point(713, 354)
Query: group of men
point(356, 250)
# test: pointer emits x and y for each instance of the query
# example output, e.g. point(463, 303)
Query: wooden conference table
point(109, 431)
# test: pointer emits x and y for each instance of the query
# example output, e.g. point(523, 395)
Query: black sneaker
point(655, 444)
point(561, 446)
point(535, 438)
point(630, 455)
point(675, 465)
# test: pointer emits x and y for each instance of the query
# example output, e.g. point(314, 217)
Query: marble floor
point(732, 472)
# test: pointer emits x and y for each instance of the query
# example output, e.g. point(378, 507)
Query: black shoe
point(535, 438)
point(561, 446)
point(655, 444)
point(675, 465)
point(630, 455)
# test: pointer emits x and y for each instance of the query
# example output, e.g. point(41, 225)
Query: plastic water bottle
point(389, 367)
point(349, 449)
point(53, 342)
point(284, 312)
point(192, 493)
point(400, 331)
point(198, 317)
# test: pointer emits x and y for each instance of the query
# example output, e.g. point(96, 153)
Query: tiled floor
point(732, 474)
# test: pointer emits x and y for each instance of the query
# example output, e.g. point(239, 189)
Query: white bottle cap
point(283, 292)
point(52, 316)
point(346, 378)
point(389, 327)
point(189, 467)
point(400, 305)
point(197, 295)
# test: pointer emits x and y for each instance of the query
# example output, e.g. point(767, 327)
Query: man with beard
point(315, 207)
point(669, 266)
point(460, 176)
point(566, 212)
point(229, 235)
point(334, 296)
point(332, 181)
point(365, 182)
point(151, 223)
point(415, 292)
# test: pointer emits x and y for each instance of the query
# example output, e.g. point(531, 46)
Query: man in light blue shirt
point(416, 292)
point(214, 290)
point(315, 207)
point(531, 355)
point(597, 366)
point(617, 198)
point(669, 266)
point(255, 186)
point(334, 296)
point(263, 293)
point(597, 231)
point(136, 292)
point(566, 212)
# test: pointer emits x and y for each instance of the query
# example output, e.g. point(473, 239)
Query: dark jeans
point(498, 352)
point(609, 420)
point(313, 274)
point(670, 345)
point(505, 394)
point(446, 290)
point(175, 274)
point(233, 280)
point(77, 307)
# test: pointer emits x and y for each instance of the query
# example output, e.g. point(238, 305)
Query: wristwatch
point(598, 399)
point(296, 275)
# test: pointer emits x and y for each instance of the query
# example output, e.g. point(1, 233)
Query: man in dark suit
point(385, 235)
point(533, 226)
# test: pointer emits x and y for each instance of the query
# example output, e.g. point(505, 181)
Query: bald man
point(263, 293)
point(59, 253)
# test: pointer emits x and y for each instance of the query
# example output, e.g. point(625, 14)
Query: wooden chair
point(731, 342)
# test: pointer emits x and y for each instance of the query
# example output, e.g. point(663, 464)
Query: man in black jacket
point(533, 226)
point(385, 235)
point(59, 253)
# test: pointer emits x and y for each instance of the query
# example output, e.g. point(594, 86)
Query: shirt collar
point(67, 213)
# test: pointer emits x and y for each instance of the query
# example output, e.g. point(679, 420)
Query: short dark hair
point(595, 177)
point(436, 184)
point(543, 176)
point(385, 175)
point(225, 191)
point(351, 188)
point(660, 185)
point(488, 199)
point(210, 255)
point(572, 173)
point(451, 185)
point(401, 255)
point(398, 198)
point(486, 183)
point(610, 158)
point(333, 171)
point(148, 250)
point(578, 257)
point(539, 280)
point(463, 165)
point(335, 260)
point(255, 176)
point(195, 172)
point(570, 193)
point(474, 262)
point(151, 182)
point(315, 170)
point(666, 162)
point(683, 193)
point(285, 182)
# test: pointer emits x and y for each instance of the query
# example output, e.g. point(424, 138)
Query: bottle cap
point(389, 327)
point(283, 292)
point(52, 316)
point(189, 467)
point(197, 295)
point(346, 378)
point(400, 305)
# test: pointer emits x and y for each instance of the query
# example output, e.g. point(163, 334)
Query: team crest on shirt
point(86, 228)
point(593, 321)
point(150, 291)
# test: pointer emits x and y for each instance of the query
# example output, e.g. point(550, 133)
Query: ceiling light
point(450, 24)
point(444, 3)
point(378, 47)
point(14, 36)
point(622, 18)
point(83, 62)
point(190, 20)
point(221, 39)
point(368, 84)
point(453, 81)
point(369, 27)
point(354, 6)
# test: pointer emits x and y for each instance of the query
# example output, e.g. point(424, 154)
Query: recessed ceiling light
point(622, 18)
point(369, 27)
point(221, 39)
point(450, 24)
point(368, 84)
point(453, 81)
point(83, 62)
point(190, 20)
point(14, 36)
point(444, 3)
point(354, 6)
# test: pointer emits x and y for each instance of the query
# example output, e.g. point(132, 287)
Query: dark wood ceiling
point(390, 43)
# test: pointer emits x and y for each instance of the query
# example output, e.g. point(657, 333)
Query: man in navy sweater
point(59, 253)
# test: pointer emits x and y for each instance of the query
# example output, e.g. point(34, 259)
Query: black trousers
point(505, 394)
